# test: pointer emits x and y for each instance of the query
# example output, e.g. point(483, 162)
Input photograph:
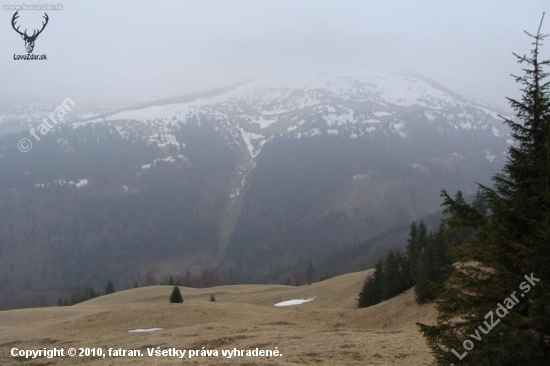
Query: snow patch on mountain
point(264, 123)
point(399, 128)
point(381, 114)
point(353, 105)
point(78, 184)
point(249, 138)
point(169, 159)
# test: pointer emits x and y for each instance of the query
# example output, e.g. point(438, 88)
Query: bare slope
point(326, 331)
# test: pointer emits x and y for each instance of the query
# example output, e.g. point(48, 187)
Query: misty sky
point(108, 51)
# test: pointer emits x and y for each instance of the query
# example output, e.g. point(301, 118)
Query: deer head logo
point(29, 40)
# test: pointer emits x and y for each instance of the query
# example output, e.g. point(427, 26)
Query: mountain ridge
point(252, 183)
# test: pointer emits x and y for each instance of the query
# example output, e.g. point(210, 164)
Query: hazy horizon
point(104, 52)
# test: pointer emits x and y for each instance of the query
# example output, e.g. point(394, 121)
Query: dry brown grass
point(326, 331)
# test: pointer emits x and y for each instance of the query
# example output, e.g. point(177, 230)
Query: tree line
point(425, 264)
point(85, 294)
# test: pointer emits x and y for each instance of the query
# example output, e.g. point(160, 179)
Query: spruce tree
point(396, 275)
point(479, 203)
point(418, 240)
point(109, 288)
point(422, 237)
point(171, 281)
point(434, 266)
point(175, 297)
point(390, 276)
point(459, 197)
point(371, 292)
point(511, 247)
point(413, 248)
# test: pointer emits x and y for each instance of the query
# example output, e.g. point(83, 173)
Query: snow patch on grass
point(148, 330)
point(295, 302)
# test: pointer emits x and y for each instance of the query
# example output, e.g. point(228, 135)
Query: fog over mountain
point(106, 51)
point(250, 181)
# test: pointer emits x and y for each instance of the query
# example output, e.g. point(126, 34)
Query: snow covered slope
point(352, 106)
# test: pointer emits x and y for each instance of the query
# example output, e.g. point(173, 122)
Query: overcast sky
point(108, 51)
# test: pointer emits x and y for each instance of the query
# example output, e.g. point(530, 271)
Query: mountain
point(248, 183)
